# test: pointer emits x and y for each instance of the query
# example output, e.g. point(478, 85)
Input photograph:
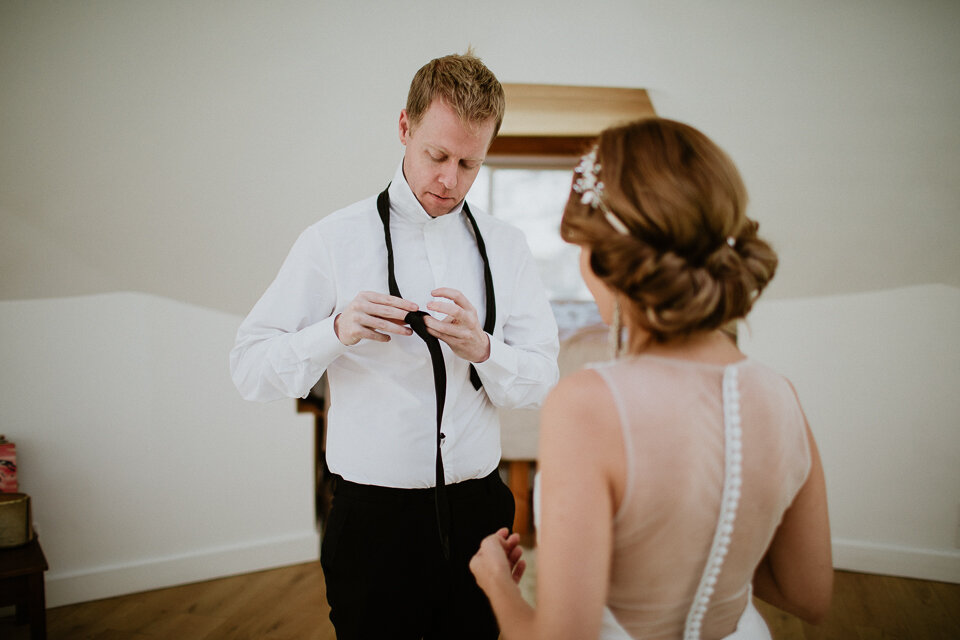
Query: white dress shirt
point(381, 422)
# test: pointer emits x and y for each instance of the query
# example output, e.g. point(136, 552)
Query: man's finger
point(386, 298)
point(386, 312)
point(385, 301)
point(370, 334)
point(452, 311)
point(456, 296)
point(390, 326)
point(442, 328)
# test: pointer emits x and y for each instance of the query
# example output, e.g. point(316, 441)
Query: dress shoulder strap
point(733, 458)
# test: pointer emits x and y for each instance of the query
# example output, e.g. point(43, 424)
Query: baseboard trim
point(891, 560)
point(109, 581)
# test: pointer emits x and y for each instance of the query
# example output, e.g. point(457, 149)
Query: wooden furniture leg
point(21, 584)
point(36, 606)
point(518, 479)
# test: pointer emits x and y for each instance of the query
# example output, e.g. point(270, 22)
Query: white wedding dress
point(774, 455)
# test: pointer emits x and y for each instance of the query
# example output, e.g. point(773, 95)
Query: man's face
point(443, 156)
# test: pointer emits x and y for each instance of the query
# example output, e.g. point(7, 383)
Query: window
point(532, 199)
point(526, 178)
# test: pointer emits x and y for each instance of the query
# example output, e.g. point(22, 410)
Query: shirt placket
point(436, 251)
point(436, 239)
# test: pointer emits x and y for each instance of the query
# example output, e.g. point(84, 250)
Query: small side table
point(21, 584)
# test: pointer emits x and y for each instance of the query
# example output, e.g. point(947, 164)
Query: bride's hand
point(499, 556)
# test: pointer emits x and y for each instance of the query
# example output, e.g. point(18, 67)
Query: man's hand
point(373, 315)
point(461, 329)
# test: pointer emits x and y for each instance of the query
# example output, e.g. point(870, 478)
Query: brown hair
point(461, 81)
point(683, 202)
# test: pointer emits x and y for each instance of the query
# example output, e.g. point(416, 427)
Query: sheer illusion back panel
point(671, 413)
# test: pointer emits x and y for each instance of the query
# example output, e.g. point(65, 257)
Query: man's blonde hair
point(464, 83)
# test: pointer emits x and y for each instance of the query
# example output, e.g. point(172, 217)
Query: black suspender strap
point(415, 320)
point(491, 302)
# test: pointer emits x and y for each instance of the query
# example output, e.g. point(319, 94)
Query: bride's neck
point(714, 347)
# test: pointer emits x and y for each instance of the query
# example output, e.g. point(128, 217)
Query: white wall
point(144, 467)
point(177, 148)
point(877, 374)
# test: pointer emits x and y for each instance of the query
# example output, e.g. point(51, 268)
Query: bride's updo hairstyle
point(661, 209)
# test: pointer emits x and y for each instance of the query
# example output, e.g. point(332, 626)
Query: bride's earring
point(616, 331)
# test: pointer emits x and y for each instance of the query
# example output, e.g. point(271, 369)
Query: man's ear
point(404, 127)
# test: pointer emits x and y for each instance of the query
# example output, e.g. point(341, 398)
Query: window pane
point(533, 201)
point(480, 191)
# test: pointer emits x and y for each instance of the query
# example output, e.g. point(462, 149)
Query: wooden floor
point(870, 607)
point(289, 603)
point(279, 604)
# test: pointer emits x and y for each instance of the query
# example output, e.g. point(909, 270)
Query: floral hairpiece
point(591, 190)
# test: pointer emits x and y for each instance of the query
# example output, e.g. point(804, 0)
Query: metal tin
point(15, 522)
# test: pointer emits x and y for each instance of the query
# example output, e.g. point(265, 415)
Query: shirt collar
point(406, 206)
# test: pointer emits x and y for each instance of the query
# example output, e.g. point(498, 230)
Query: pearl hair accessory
point(591, 190)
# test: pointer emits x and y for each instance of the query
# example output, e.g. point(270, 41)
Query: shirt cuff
point(502, 363)
point(318, 343)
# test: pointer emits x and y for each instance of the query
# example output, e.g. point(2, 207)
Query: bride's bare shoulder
point(573, 388)
point(580, 397)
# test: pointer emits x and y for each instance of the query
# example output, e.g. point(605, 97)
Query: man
point(413, 435)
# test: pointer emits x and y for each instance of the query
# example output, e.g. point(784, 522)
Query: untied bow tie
point(415, 320)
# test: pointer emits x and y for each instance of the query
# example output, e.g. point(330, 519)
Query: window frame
point(551, 127)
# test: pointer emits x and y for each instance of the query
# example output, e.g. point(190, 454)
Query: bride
point(680, 478)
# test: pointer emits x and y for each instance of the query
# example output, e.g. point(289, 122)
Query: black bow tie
point(415, 320)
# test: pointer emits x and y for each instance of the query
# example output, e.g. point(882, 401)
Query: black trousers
point(385, 572)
